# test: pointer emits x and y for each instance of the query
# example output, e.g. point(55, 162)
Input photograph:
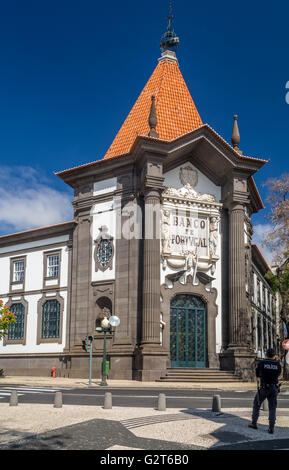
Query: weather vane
point(169, 40)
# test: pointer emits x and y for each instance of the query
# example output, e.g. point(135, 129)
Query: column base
point(241, 361)
point(150, 363)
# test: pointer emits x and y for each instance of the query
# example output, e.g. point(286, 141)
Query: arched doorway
point(188, 335)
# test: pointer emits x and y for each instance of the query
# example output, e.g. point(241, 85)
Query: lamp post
point(106, 325)
point(105, 328)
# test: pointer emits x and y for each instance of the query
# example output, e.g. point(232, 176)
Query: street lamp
point(106, 325)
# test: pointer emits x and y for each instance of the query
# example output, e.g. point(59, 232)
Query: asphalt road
point(136, 397)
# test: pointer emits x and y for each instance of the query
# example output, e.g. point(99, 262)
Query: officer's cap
point(270, 352)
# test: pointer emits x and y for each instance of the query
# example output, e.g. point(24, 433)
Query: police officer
point(268, 372)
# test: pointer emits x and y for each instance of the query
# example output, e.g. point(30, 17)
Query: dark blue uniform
point(268, 371)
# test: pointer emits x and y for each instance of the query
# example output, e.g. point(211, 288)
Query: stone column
point(237, 357)
point(237, 281)
point(81, 271)
point(126, 289)
point(151, 356)
point(81, 266)
point(151, 270)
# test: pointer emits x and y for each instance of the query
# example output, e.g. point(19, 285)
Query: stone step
point(195, 376)
point(195, 379)
point(198, 375)
point(196, 369)
point(211, 372)
point(204, 381)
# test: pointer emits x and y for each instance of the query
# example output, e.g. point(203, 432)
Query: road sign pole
point(90, 362)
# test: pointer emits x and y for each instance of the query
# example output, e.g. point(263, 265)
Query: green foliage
point(6, 318)
point(273, 281)
point(284, 280)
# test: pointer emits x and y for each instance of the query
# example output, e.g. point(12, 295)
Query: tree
point(277, 240)
point(6, 318)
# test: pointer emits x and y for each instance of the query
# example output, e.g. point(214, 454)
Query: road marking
point(180, 397)
point(36, 390)
point(3, 394)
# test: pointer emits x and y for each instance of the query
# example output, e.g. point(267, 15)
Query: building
point(161, 237)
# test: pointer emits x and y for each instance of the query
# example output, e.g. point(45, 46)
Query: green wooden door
point(188, 332)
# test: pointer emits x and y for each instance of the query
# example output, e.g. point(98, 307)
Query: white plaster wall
point(204, 186)
point(34, 282)
point(31, 331)
point(34, 269)
point(105, 187)
point(103, 213)
point(64, 266)
point(4, 275)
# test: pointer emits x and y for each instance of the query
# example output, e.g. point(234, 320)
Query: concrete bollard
point(13, 398)
point(265, 405)
point(162, 402)
point(58, 400)
point(216, 404)
point(107, 401)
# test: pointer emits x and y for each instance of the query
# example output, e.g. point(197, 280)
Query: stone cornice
point(37, 234)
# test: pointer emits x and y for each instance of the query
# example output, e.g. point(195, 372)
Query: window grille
point(50, 319)
point(104, 252)
point(16, 330)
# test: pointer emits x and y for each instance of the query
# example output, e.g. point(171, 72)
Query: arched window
point(50, 319)
point(16, 330)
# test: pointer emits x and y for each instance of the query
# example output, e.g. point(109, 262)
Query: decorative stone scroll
point(187, 192)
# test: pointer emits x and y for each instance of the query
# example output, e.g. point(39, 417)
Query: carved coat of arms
point(188, 176)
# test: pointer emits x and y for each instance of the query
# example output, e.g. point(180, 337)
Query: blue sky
point(71, 71)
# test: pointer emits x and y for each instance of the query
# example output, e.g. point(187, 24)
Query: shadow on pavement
point(96, 434)
point(235, 434)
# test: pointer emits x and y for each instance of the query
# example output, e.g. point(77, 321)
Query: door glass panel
point(188, 331)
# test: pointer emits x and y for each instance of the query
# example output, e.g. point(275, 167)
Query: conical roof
point(175, 109)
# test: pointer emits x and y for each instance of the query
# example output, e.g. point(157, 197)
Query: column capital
point(236, 205)
point(151, 193)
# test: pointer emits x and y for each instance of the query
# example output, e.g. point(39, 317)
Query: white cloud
point(28, 200)
point(259, 235)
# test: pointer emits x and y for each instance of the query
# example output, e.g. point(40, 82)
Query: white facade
point(203, 211)
point(36, 287)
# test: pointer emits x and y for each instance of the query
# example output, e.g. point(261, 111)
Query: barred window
point(53, 266)
point(18, 271)
point(258, 292)
point(50, 319)
point(16, 330)
point(265, 342)
point(104, 252)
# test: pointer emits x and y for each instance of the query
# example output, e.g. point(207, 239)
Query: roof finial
point(170, 18)
point(153, 120)
point(169, 41)
point(236, 135)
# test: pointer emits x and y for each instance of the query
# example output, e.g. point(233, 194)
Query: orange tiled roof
point(176, 111)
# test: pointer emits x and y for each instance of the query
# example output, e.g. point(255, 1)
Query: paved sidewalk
point(42, 427)
point(83, 383)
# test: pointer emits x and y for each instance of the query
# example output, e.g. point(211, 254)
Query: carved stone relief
point(188, 176)
point(190, 227)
